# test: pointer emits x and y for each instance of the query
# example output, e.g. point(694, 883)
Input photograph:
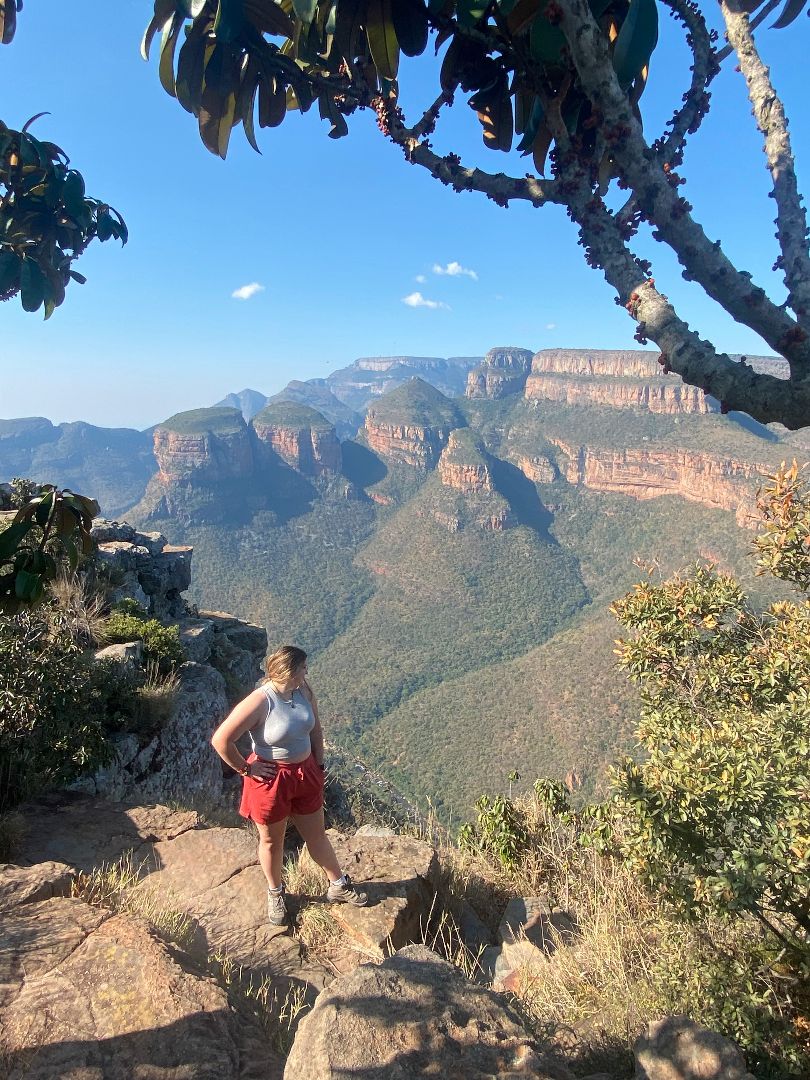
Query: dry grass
point(78, 602)
point(154, 699)
point(314, 925)
point(112, 885)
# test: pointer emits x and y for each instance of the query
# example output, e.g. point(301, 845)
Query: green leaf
point(469, 12)
point(349, 17)
point(10, 265)
point(382, 38)
point(25, 585)
point(10, 538)
point(32, 285)
point(410, 25)
point(73, 195)
point(546, 41)
point(168, 45)
point(636, 41)
point(532, 127)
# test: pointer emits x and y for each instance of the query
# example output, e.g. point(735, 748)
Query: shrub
point(51, 723)
point(161, 643)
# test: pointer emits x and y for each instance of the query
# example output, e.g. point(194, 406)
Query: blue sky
point(335, 233)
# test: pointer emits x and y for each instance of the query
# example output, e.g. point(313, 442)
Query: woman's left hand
point(263, 770)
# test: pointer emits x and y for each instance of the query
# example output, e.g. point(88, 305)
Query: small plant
point(501, 831)
point(161, 643)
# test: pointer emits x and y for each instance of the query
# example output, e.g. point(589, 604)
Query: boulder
point(676, 1048)
point(129, 654)
point(106, 998)
point(184, 763)
point(400, 876)
point(410, 1016)
point(197, 638)
point(29, 884)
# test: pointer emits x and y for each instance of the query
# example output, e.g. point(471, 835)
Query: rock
point(412, 1015)
point(130, 654)
point(213, 876)
point(38, 937)
point(530, 919)
point(530, 930)
point(29, 884)
point(197, 638)
point(84, 832)
point(400, 876)
point(676, 1048)
point(185, 763)
point(374, 830)
point(474, 932)
point(110, 1000)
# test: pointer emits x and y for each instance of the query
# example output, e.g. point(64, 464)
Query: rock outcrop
point(223, 664)
point(411, 1016)
point(668, 395)
point(718, 482)
point(411, 425)
point(616, 379)
point(463, 465)
point(206, 445)
point(676, 1048)
point(503, 372)
point(301, 437)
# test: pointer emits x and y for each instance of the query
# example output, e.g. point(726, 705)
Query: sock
point(341, 880)
point(278, 889)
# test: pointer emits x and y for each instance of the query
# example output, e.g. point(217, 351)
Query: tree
point(46, 219)
point(567, 75)
point(717, 811)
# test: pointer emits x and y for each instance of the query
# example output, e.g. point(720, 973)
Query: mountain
point(370, 376)
point(248, 402)
point(112, 465)
point(451, 567)
point(317, 395)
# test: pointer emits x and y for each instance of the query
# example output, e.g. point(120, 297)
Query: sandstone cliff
point(206, 445)
point(463, 465)
point(503, 372)
point(718, 482)
point(613, 378)
point(668, 395)
point(301, 437)
point(411, 425)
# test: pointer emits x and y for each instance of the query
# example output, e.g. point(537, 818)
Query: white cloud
point(415, 299)
point(420, 278)
point(551, 326)
point(244, 292)
point(455, 269)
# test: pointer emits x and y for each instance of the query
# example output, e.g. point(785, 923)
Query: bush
point(161, 643)
point(51, 708)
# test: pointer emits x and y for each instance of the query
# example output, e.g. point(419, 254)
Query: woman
point(283, 776)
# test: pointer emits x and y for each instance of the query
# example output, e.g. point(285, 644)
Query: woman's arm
point(316, 735)
point(249, 712)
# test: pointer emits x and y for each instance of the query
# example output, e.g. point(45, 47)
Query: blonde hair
point(284, 662)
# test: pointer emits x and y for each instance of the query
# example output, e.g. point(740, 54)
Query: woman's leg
point(271, 851)
point(313, 833)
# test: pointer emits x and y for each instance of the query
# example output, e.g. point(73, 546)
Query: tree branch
point(791, 220)
point(686, 120)
point(760, 17)
point(734, 384)
point(496, 186)
point(658, 199)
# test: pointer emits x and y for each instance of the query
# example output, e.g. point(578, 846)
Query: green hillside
point(445, 603)
point(416, 403)
point(292, 414)
point(216, 421)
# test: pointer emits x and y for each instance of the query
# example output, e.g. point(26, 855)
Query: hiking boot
point(346, 894)
point(276, 907)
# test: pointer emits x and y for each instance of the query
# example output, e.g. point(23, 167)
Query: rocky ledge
point(502, 373)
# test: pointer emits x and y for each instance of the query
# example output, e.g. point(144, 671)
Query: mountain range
point(445, 537)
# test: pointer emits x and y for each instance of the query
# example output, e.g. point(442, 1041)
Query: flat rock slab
point(213, 876)
point(400, 876)
point(413, 1015)
point(121, 1005)
point(38, 937)
point(85, 832)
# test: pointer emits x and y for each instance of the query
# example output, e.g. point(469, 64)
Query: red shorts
point(295, 789)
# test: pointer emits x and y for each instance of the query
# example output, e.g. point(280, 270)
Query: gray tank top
point(284, 732)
